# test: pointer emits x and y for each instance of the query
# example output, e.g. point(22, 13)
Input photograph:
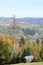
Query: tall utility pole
point(14, 24)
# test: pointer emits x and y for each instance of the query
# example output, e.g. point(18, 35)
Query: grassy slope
point(37, 63)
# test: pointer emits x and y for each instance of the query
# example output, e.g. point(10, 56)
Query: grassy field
point(36, 63)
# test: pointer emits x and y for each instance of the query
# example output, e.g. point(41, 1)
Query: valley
point(25, 29)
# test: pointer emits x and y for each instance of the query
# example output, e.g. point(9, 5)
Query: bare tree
point(14, 28)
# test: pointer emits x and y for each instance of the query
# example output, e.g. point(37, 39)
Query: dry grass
point(36, 63)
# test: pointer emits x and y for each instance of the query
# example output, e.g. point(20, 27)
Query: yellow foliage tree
point(6, 48)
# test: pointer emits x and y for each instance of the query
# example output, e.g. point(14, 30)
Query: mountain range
point(25, 19)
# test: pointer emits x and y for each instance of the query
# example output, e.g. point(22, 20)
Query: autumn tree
point(6, 48)
point(41, 53)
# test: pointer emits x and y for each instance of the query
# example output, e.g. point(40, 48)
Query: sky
point(21, 8)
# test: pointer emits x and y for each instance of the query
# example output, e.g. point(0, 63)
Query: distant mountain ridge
point(26, 19)
point(5, 19)
point(32, 20)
